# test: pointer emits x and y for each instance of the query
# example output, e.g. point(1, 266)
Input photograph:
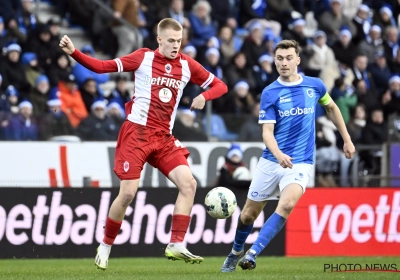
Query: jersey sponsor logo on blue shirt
point(296, 111)
point(284, 100)
point(292, 107)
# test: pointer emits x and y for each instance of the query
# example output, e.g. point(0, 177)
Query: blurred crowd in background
point(352, 45)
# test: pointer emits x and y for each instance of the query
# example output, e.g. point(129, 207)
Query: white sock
point(178, 244)
point(236, 252)
point(104, 244)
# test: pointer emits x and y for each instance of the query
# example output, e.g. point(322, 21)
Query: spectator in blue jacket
point(22, 126)
point(202, 26)
point(116, 113)
point(385, 17)
point(3, 97)
point(212, 62)
point(9, 100)
point(5, 36)
point(264, 72)
point(31, 67)
point(54, 123)
point(39, 95)
point(120, 93)
point(9, 8)
point(11, 69)
point(89, 92)
point(82, 73)
point(27, 19)
point(98, 126)
point(380, 71)
point(59, 70)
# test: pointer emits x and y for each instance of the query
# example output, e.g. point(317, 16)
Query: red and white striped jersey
point(159, 83)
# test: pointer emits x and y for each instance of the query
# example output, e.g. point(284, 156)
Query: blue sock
point(242, 232)
point(271, 227)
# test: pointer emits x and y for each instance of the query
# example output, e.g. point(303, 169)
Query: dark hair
point(121, 77)
point(236, 55)
point(225, 26)
point(353, 109)
point(376, 108)
point(339, 82)
point(169, 23)
point(287, 44)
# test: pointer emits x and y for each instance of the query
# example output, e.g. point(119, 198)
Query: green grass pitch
point(161, 268)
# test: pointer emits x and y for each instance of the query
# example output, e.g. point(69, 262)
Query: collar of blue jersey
point(295, 83)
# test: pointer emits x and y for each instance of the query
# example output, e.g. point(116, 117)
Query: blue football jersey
point(291, 106)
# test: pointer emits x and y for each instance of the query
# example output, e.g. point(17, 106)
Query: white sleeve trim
point(267, 121)
point(119, 64)
point(208, 81)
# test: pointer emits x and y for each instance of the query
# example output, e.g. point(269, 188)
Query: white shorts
point(270, 179)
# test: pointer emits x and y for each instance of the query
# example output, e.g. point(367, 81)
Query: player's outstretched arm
point(336, 117)
point(91, 63)
point(270, 141)
point(66, 45)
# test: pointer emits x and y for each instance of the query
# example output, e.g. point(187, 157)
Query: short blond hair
point(169, 23)
point(287, 44)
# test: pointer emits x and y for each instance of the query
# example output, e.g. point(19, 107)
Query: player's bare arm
point(215, 88)
point(66, 45)
point(198, 102)
point(335, 116)
point(270, 141)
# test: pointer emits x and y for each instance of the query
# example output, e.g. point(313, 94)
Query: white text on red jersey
point(164, 81)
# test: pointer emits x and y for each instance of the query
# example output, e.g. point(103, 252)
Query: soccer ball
point(220, 203)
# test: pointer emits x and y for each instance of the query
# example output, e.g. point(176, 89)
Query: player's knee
point(287, 206)
point(189, 188)
point(248, 217)
point(126, 197)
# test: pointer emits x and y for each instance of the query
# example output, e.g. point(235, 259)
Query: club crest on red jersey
point(126, 166)
point(168, 68)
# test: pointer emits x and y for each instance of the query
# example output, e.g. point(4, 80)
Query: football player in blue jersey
point(287, 114)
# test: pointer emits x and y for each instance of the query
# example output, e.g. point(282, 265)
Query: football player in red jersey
point(145, 136)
